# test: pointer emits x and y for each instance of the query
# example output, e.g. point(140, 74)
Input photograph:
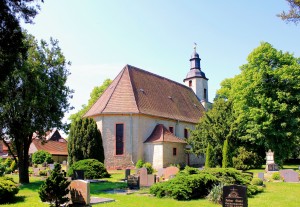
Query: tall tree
point(215, 127)
point(94, 95)
point(35, 97)
point(293, 14)
point(85, 141)
point(265, 99)
point(11, 37)
point(225, 155)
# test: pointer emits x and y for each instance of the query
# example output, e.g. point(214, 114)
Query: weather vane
point(195, 46)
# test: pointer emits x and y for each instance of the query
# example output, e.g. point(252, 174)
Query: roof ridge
point(131, 84)
point(159, 76)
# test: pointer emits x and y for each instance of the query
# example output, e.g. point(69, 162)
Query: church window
point(171, 129)
point(186, 133)
point(119, 139)
point(205, 95)
point(190, 83)
point(174, 151)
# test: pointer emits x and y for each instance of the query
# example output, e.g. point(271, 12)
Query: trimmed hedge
point(184, 187)
point(93, 169)
point(8, 189)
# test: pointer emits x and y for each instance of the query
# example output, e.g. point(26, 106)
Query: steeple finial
point(195, 46)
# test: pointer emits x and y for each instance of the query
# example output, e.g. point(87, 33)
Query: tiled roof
point(137, 91)
point(162, 134)
point(53, 147)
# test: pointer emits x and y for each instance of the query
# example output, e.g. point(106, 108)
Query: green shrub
point(7, 162)
point(229, 175)
point(8, 189)
point(190, 170)
point(93, 169)
point(246, 160)
point(276, 176)
point(257, 181)
point(253, 190)
point(216, 194)
point(139, 163)
point(149, 167)
point(209, 157)
point(41, 156)
point(7, 170)
point(43, 172)
point(13, 166)
point(2, 169)
point(184, 187)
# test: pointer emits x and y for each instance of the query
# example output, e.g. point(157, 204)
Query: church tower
point(196, 80)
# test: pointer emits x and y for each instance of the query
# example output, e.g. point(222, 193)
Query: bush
point(139, 163)
point(149, 167)
point(7, 162)
point(209, 156)
point(190, 170)
point(276, 176)
point(41, 156)
point(93, 169)
point(216, 194)
point(13, 166)
point(2, 169)
point(8, 189)
point(253, 190)
point(55, 187)
point(257, 181)
point(43, 172)
point(184, 187)
point(246, 160)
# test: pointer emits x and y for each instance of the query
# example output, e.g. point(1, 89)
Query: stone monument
point(270, 163)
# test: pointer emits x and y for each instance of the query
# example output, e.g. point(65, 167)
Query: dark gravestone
point(235, 196)
point(127, 172)
point(133, 182)
point(272, 167)
point(289, 175)
point(78, 175)
point(261, 175)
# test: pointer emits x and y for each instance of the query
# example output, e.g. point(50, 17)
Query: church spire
point(195, 60)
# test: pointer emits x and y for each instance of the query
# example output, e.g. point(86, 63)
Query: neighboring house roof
point(52, 135)
point(162, 134)
point(53, 147)
point(138, 91)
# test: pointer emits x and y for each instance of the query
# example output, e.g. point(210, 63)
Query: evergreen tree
point(85, 141)
point(209, 160)
point(55, 188)
point(225, 157)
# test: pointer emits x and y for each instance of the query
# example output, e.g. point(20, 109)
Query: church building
point(142, 115)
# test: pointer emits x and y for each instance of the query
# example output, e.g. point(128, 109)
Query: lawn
point(277, 194)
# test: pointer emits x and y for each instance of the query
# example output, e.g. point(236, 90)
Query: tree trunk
point(23, 162)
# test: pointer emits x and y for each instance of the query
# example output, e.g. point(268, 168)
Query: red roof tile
point(53, 147)
point(137, 91)
point(162, 134)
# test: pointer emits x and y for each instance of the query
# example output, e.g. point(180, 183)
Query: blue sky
point(100, 37)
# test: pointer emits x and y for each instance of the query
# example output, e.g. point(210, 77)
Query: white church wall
point(153, 153)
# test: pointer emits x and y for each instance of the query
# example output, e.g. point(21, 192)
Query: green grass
point(277, 194)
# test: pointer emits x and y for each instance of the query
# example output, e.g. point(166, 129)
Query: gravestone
point(170, 171)
point(143, 176)
point(79, 192)
point(133, 182)
point(151, 180)
point(235, 196)
point(127, 172)
point(36, 171)
point(51, 166)
point(78, 175)
point(261, 175)
point(289, 175)
point(64, 162)
point(160, 172)
point(270, 164)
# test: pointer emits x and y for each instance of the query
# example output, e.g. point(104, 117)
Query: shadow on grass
point(16, 199)
point(32, 186)
point(101, 187)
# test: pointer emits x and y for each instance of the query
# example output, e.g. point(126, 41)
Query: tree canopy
point(293, 15)
point(94, 95)
point(35, 97)
point(265, 97)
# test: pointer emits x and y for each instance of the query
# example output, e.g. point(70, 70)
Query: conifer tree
point(55, 188)
point(225, 157)
point(85, 141)
point(209, 156)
